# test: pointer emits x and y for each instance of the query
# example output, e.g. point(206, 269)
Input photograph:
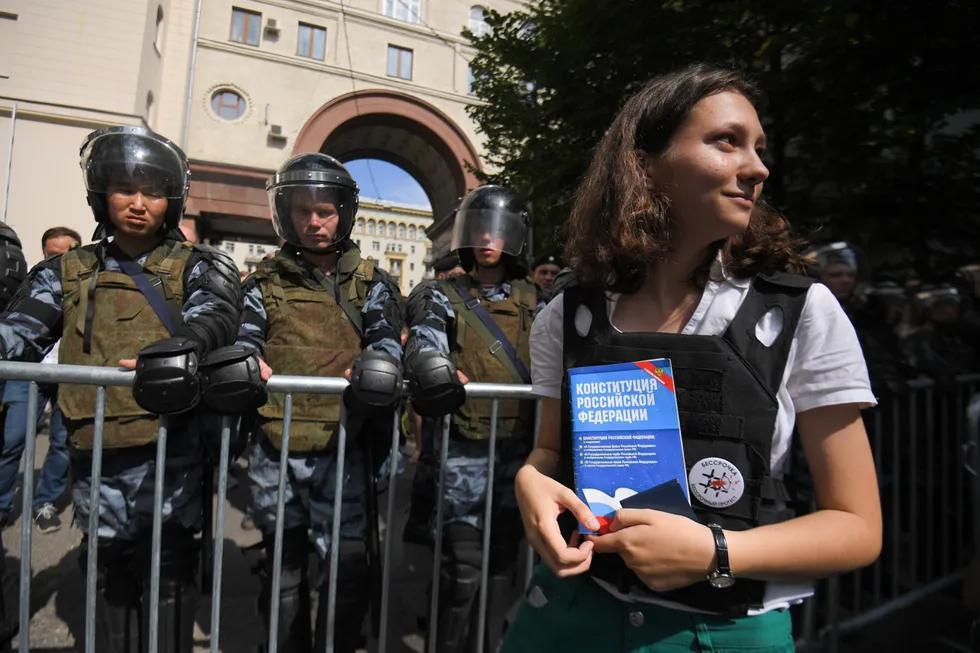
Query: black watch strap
point(721, 549)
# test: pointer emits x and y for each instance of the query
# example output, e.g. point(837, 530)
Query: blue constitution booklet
point(626, 439)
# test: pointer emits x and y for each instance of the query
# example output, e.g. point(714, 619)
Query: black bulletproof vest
point(726, 397)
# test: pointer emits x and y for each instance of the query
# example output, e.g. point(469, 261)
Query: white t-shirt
point(825, 367)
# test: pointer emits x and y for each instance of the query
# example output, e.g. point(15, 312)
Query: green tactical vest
point(123, 322)
point(310, 334)
point(476, 356)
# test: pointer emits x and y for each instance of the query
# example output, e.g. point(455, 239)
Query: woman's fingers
point(577, 507)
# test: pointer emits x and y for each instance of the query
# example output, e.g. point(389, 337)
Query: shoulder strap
point(157, 301)
point(781, 292)
point(500, 346)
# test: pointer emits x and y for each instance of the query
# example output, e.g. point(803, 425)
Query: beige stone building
point(240, 85)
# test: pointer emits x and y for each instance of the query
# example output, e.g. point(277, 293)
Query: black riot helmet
point(314, 201)
point(13, 267)
point(495, 217)
point(136, 157)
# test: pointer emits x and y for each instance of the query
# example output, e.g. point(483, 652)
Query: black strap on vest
point(772, 292)
point(332, 285)
point(157, 302)
point(502, 344)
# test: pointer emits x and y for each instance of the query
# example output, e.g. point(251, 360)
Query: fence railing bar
point(219, 533)
point(389, 537)
point(913, 468)
point(338, 490)
point(930, 506)
point(95, 489)
point(529, 570)
point(879, 437)
point(959, 421)
point(161, 461)
point(437, 544)
point(893, 548)
point(276, 584)
point(26, 521)
point(481, 622)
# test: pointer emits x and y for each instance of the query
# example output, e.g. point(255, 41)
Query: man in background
point(54, 473)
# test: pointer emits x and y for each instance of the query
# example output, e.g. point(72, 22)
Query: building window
point(408, 10)
point(245, 26)
point(158, 35)
point(228, 104)
point(411, 266)
point(421, 234)
point(470, 78)
point(375, 245)
point(411, 232)
point(372, 226)
point(401, 231)
point(391, 230)
point(311, 41)
point(478, 22)
point(360, 226)
point(399, 62)
point(229, 246)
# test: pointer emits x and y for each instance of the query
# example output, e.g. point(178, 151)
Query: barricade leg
point(481, 623)
point(24, 615)
point(157, 534)
point(529, 571)
point(335, 532)
point(95, 484)
point(437, 544)
point(219, 535)
point(280, 520)
point(389, 537)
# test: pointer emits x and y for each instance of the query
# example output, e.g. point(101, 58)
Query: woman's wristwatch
point(721, 577)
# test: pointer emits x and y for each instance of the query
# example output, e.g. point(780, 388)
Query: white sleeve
point(546, 349)
point(828, 367)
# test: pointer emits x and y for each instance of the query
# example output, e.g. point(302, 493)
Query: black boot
point(458, 589)
point(293, 634)
point(353, 601)
point(179, 554)
point(117, 602)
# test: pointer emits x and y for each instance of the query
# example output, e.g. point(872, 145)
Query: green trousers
point(576, 614)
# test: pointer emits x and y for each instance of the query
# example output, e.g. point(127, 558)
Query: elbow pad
point(435, 386)
point(166, 380)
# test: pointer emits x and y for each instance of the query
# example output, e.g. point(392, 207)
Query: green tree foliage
point(873, 108)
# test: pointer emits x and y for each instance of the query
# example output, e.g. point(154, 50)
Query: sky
point(393, 183)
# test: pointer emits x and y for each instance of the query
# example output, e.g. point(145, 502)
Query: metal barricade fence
point(288, 385)
point(926, 457)
point(917, 440)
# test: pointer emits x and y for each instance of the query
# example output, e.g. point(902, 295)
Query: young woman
point(676, 257)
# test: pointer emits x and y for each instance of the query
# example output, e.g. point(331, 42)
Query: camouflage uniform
point(435, 325)
point(309, 498)
point(297, 319)
point(32, 324)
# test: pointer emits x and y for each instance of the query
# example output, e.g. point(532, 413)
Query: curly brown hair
point(619, 225)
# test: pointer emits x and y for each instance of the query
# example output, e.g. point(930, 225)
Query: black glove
point(375, 382)
point(166, 380)
point(435, 386)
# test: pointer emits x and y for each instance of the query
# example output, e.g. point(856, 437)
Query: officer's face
point(58, 245)
point(839, 278)
point(488, 250)
point(544, 275)
point(315, 221)
point(711, 170)
point(136, 209)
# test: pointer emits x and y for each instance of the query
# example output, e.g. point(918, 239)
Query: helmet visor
point(496, 228)
point(314, 217)
point(134, 161)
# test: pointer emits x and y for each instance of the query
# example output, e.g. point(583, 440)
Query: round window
point(228, 104)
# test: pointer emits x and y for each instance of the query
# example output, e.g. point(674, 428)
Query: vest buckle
point(495, 347)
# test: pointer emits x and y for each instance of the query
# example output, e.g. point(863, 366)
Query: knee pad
point(462, 546)
point(179, 553)
point(295, 550)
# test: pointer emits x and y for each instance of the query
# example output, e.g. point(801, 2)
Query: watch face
point(721, 582)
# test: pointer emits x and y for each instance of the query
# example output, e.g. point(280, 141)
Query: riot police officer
point(141, 298)
point(312, 309)
point(478, 324)
point(13, 269)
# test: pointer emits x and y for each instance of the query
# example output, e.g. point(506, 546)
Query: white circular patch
point(715, 482)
